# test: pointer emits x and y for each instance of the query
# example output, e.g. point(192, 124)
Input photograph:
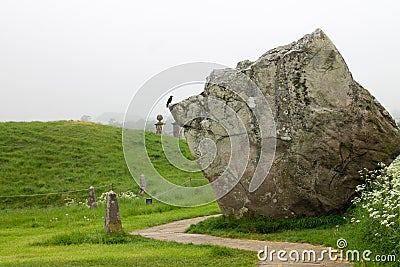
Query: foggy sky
point(62, 59)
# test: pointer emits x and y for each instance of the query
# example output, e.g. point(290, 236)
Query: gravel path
point(175, 231)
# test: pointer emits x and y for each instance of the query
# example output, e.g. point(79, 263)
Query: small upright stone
point(142, 186)
point(91, 198)
point(112, 220)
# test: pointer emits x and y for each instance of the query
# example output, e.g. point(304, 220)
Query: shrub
point(376, 214)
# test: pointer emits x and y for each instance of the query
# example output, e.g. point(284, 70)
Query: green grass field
point(40, 230)
point(74, 236)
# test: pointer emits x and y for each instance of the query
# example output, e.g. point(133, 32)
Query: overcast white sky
point(60, 59)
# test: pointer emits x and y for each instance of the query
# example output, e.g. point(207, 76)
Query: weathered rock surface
point(328, 127)
point(91, 198)
point(112, 220)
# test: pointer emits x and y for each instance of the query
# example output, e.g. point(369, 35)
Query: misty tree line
point(137, 125)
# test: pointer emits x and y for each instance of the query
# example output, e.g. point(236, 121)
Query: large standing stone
point(112, 220)
point(328, 127)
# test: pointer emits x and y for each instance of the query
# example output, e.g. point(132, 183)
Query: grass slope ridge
point(44, 157)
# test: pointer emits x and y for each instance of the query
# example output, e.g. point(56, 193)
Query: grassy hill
point(46, 157)
point(40, 158)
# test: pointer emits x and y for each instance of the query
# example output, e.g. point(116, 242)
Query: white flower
point(375, 214)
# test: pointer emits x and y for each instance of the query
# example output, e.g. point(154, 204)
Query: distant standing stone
point(142, 185)
point(91, 198)
point(159, 125)
point(112, 220)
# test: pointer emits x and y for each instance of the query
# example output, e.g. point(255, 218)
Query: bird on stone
point(169, 101)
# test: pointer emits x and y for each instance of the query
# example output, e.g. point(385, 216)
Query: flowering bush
point(376, 216)
point(128, 195)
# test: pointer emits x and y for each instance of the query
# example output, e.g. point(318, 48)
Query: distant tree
point(86, 118)
point(114, 122)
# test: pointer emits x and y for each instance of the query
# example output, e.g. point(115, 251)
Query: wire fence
point(112, 185)
point(58, 193)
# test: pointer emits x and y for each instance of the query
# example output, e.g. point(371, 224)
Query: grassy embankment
point(40, 230)
point(43, 157)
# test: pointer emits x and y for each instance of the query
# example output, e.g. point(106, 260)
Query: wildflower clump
point(128, 195)
point(377, 207)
